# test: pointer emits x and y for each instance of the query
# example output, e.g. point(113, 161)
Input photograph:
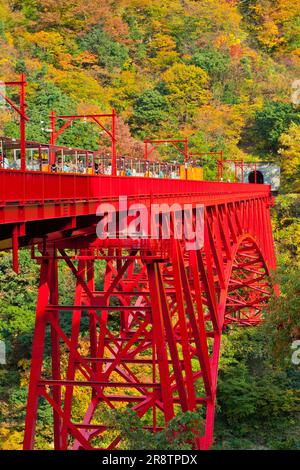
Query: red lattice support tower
point(20, 109)
point(96, 118)
point(152, 314)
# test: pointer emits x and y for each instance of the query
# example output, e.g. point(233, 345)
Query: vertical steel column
point(186, 157)
point(160, 343)
point(114, 143)
point(37, 356)
point(23, 122)
point(55, 349)
point(52, 137)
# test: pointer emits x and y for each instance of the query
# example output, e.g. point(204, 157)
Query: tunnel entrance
point(259, 177)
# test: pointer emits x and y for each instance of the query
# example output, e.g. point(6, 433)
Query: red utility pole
point(112, 133)
point(21, 110)
point(221, 165)
point(175, 142)
point(52, 136)
point(22, 122)
point(113, 143)
point(186, 157)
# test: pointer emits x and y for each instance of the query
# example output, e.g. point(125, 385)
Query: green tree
point(149, 110)
point(213, 61)
point(110, 53)
point(271, 122)
point(17, 305)
point(179, 432)
point(257, 401)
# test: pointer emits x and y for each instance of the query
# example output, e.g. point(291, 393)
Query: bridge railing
point(37, 187)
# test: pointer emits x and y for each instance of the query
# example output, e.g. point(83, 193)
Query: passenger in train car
point(59, 165)
point(30, 165)
point(16, 165)
point(96, 168)
point(148, 173)
point(4, 163)
point(81, 167)
point(128, 172)
point(123, 167)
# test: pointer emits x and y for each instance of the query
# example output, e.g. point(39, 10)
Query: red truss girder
point(155, 319)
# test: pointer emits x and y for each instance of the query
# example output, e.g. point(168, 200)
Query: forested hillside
point(222, 73)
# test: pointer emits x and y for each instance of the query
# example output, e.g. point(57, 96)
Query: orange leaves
point(117, 28)
point(84, 59)
point(76, 15)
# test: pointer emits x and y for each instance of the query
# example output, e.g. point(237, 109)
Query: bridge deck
point(41, 203)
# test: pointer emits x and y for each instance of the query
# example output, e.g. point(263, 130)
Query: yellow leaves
point(129, 82)
point(7, 60)
point(270, 17)
point(269, 34)
point(76, 15)
point(290, 150)
point(163, 60)
point(24, 369)
point(11, 440)
point(162, 42)
point(163, 48)
point(278, 10)
point(48, 40)
point(223, 122)
point(4, 10)
point(52, 44)
point(9, 38)
point(127, 85)
point(283, 10)
point(80, 85)
point(4, 432)
point(221, 15)
point(3, 60)
point(187, 85)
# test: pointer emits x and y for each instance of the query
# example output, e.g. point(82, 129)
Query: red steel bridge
point(145, 326)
